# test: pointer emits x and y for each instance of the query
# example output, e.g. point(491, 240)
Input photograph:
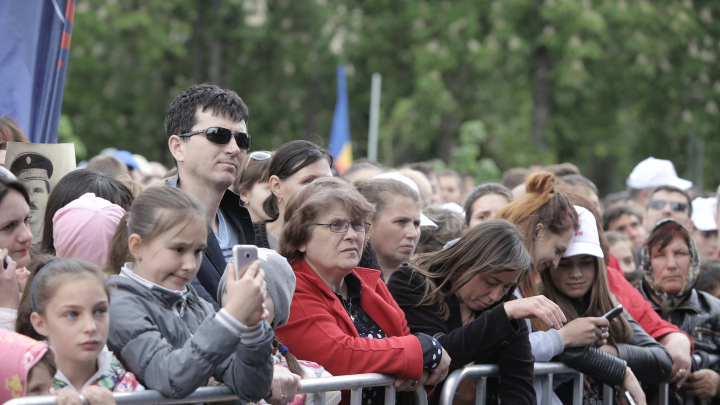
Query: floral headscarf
point(20, 355)
point(670, 301)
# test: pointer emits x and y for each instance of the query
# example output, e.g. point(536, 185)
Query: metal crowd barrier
point(317, 387)
point(481, 372)
point(355, 383)
point(546, 370)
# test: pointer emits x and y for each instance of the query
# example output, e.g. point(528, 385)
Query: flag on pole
point(34, 52)
point(340, 146)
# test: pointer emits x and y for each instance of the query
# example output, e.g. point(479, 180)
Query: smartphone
point(613, 313)
point(6, 262)
point(630, 398)
point(242, 256)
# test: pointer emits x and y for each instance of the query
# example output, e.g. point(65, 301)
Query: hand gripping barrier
point(317, 387)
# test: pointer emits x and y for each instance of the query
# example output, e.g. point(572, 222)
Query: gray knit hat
point(280, 280)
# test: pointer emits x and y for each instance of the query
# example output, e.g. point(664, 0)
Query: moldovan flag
point(34, 49)
point(340, 146)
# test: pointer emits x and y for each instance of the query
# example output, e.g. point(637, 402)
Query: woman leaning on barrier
point(578, 284)
point(549, 222)
point(342, 316)
point(463, 297)
point(672, 267)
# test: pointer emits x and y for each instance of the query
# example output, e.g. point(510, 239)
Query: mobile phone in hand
point(6, 262)
point(613, 313)
point(630, 398)
point(243, 255)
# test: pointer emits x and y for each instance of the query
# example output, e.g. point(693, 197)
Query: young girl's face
point(574, 276)
point(172, 259)
point(39, 380)
point(76, 319)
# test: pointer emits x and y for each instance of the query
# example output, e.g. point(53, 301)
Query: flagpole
point(374, 116)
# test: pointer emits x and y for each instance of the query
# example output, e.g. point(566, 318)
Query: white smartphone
point(242, 256)
point(6, 262)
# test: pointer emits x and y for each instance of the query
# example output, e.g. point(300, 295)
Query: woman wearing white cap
point(397, 219)
point(579, 286)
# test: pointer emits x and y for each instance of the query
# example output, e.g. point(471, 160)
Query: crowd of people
point(129, 282)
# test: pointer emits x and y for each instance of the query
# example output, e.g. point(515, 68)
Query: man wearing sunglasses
point(208, 138)
point(668, 202)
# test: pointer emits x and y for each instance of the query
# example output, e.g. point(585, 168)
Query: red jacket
point(635, 304)
point(320, 330)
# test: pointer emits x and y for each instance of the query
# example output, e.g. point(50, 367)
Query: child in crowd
point(280, 280)
point(162, 330)
point(621, 247)
point(67, 302)
point(28, 368)
point(84, 228)
point(709, 280)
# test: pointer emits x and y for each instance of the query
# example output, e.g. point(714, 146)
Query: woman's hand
point(703, 384)
point(441, 371)
point(246, 295)
point(536, 307)
point(631, 385)
point(68, 397)
point(97, 395)
point(9, 293)
point(585, 332)
point(403, 384)
point(284, 386)
point(678, 345)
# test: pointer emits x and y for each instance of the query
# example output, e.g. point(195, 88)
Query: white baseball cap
point(651, 173)
point(452, 206)
point(424, 221)
point(586, 240)
point(703, 213)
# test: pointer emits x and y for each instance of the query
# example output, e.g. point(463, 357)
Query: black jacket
point(699, 317)
point(213, 264)
point(490, 339)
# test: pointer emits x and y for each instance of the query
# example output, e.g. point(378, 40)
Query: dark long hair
point(71, 187)
point(494, 246)
point(289, 159)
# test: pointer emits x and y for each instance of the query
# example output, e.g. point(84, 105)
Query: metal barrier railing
point(317, 387)
point(481, 372)
point(356, 383)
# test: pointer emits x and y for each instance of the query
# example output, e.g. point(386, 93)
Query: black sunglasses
point(674, 205)
point(222, 136)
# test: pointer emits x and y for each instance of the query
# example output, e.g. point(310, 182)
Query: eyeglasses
point(674, 205)
point(222, 136)
point(342, 226)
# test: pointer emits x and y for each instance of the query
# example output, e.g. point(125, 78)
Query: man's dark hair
point(614, 213)
point(180, 116)
point(709, 276)
point(673, 189)
point(425, 168)
point(579, 180)
point(514, 177)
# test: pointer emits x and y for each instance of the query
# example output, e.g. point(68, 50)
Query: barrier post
point(578, 387)
point(607, 395)
point(480, 391)
point(355, 396)
point(389, 395)
point(547, 387)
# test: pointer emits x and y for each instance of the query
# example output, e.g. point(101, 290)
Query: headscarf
point(20, 355)
point(670, 301)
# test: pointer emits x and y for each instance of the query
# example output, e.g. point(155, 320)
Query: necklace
point(470, 318)
point(348, 306)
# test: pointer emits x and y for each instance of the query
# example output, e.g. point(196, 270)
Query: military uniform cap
point(32, 166)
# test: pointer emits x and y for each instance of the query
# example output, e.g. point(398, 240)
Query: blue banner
point(34, 48)
point(340, 146)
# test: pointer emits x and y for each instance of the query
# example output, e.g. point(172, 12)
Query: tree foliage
point(480, 85)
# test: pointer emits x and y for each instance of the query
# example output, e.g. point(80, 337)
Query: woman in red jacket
point(342, 316)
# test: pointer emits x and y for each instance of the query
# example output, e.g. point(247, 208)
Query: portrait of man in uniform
point(35, 171)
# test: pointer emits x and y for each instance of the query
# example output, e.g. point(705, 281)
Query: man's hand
point(703, 384)
point(678, 345)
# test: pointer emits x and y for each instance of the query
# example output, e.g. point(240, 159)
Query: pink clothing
point(19, 355)
point(84, 228)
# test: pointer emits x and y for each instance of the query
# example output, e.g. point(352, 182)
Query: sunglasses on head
point(674, 205)
point(222, 136)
